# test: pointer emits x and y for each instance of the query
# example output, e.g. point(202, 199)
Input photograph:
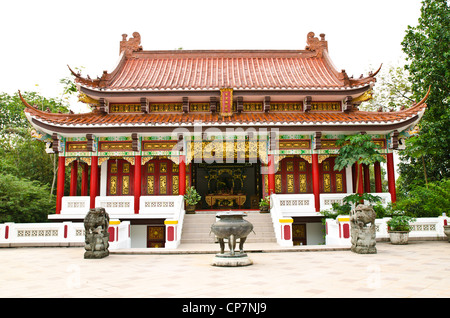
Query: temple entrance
point(228, 185)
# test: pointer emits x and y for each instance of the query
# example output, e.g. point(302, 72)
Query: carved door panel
point(120, 177)
point(156, 236)
point(161, 177)
point(331, 181)
point(299, 234)
point(293, 176)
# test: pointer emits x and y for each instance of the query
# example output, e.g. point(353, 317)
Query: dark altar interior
point(228, 186)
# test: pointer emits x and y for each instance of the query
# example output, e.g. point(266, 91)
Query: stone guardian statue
point(96, 225)
point(363, 231)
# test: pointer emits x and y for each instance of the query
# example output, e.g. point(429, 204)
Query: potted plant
point(192, 198)
point(398, 228)
point(264, 204)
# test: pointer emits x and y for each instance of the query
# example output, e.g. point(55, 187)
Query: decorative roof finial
point(131, 45)
point(314, 44)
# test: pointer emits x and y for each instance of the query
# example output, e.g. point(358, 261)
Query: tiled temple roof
point(212, 70)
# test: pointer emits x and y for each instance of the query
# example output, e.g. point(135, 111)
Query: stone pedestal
point(228, 260)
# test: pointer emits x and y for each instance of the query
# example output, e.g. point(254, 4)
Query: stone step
point(197, 227)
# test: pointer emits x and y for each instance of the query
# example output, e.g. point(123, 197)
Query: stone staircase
point(197, 228)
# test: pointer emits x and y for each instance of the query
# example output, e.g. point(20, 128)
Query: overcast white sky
point(40, 38)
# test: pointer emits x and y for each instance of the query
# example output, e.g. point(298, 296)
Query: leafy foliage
point(24, 201)
point(192, 197)
point(423, 201)
point(400, 223)
point(428, 56)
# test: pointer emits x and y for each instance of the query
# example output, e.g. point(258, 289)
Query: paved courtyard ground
point(419, 269)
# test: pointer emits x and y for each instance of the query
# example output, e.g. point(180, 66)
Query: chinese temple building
point(237, 125)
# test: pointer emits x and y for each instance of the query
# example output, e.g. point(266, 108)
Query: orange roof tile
point(211, 70)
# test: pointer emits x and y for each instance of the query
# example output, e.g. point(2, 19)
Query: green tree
point(428, 56)
point(357, 149)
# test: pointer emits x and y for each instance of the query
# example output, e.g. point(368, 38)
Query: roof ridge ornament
point(131, 45)
point(314, 44)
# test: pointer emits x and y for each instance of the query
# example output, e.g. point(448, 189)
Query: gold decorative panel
point(326, 166)
point(302, 166)
point(163, 167)
point(126, 167)
point(175, 183)
point(290, 183)
point(159, 145)
point(289, 166)
point(113, 185)
point(285, 106)
point(76, 147)
point(302, 183)
point(166, 107)
point(339, 183)
point(125, 185)
point(294, 144)
point(113, 167)
point(162, 184)
point(150, 184)
point(151, 167)
point(125, 108)
point(252, 107)
point(199, 107)
point(278, 188)
point(325, 106)
point(326, 182)
point(155, 233)
point(115, 146)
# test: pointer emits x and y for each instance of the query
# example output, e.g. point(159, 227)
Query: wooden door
point(299, 234)
point(293, 176)
point(120, 177)
point(161, 177)
point(156, 236)
point(331, 181)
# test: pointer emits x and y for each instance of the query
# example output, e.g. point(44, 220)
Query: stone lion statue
point(363, 231)
point(96, 225)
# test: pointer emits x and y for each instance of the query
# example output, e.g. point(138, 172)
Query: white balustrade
point(291, 205)
point(73, 205)
point(116, 205)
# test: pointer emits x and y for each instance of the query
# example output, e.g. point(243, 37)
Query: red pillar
point(84, 180)
point(60, 183)
point(359, 179)
point(377, 171)
point(137, 183)
point(182, 176)
point(391, 176)
point(94, 180)
point(366, 178)
point(316, 180)
point(271, 175)
point(73, 178)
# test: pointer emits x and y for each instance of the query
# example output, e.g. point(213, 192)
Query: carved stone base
point(228, 260)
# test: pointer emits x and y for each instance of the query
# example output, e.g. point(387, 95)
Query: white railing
point(163, 206)
point(42, 234)
point(337, 230)
point(115, 205)
point(291, 205)
point(75, 205)
point(59, 234)
point(327, 199)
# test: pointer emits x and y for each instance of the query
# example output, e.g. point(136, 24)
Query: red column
point(391, 176)
point(271, 175)
point(60, 183)
point(359, 179)
point(137, 183)
point(377, 171)
point(316, 180)
point(73, 178)
point(366, 178)
point(182, 176)
point(84, 180)
point(94, 180)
